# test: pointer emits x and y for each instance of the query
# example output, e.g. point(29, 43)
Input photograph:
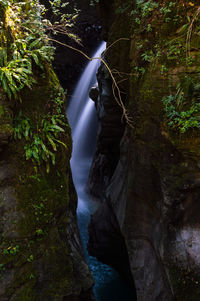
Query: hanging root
point(118, 97)
point(115, 88)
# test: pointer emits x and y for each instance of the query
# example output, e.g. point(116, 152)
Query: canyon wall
point(146, 170)
point(41, 254)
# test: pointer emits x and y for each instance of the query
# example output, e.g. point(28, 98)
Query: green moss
point(6, 129)
point(2, 112)
point(42, 268)
point(42, 203)
point(26, 293)
point(175, 157)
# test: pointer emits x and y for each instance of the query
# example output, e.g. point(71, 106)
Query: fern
point(43, 139)
point(28, 47)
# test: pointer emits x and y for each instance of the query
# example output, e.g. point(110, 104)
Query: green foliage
point(39, 232)
point(167, 9)
point(151, 47)
point(148, 56)
point(174, 51)
point(182, 110)
point(25, 50)
point(93, 2)
point(163, 69)
point(32, 276)
point(24, 41)
point(139, 71)
point(56, 5)
point(63, 21)
point(43, 138)
point(123, 8)
point(146, 7)
point(12, 250)
point(143, 7)
point(30, 258)
point(2, 269)
point(15, 75)
point(28, 44)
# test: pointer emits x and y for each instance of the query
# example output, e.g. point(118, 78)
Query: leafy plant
point(40, 232)
point(24, 41)
point(32, 276)
point(2, 269)
point(147, 7)
point(174, 51)
point(15, 75)
point(30, 258)
point(142, 6)
point(167, 9)
point(12, 250)
point(27, 45)
point(139, 71)
point(180, 114)
point(43, 138)
point(148, 56)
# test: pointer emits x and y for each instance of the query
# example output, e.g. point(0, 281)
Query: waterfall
point(82, 117)
point(83, 121)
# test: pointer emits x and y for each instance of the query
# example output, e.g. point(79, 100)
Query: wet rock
point(94, 94)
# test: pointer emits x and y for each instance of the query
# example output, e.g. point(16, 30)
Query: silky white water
point(82, 117)
point(83, 121)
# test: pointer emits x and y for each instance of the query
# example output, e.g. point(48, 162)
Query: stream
point(83, 121)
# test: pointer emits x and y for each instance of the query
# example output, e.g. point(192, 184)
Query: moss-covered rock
point(41, 254)
point(38, 223)
point(154, 189)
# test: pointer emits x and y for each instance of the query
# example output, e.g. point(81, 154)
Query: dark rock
point(149, 184)
point(107, 243)
point(41, 253)
point(110, 132)
point(94, 94)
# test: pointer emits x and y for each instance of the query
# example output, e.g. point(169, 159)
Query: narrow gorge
point(122, 221)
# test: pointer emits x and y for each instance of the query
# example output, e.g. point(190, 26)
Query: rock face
point(107, 149)
point(147, 180)
point(41, 254)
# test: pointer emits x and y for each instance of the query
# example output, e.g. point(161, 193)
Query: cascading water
point(83, 121)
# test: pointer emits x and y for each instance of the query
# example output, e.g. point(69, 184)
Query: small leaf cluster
point(12, 250)
point(146, 7)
